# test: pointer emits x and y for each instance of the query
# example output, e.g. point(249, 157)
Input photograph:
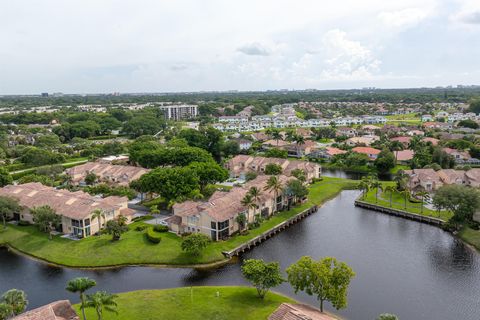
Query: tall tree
point(98, 214)
point(5, 177)
point(327, 279)
point(195, 243)
point(8, 206)
point(461, 200)
point(46, 218)
point(263, 275)
point(255, 193)
point(80, 285)
point(275, 185)
point(16, 300)
point(377, 185)
point(100, 301)
point(248, 203)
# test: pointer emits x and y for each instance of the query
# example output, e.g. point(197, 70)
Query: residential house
point(241, 164)
point(217, 217)
point(372, 153)
point(413, 133)
point(289, 311)
point(244, 144)
point(404, 156)
point(370, 129)
point(260, 136)
point(75, 208)
point(459, 156)
point(363, 140)
point(430, 180)
point(300, 150)
point(108, 173)
point(433, 141)
point(427, 118)
point(405, 141)
point(423, 179)
point(346, 132)
point(58, 310)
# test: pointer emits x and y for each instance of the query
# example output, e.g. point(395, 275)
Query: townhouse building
point(75, 208)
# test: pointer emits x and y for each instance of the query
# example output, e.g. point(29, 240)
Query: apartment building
point(108, 173)
point(430, 180)
point(216, 217)
point(241, 164)
point(75, 208)
point(178, 112)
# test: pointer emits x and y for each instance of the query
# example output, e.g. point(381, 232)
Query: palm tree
point(376, 185)
point(405, 194)
point(274, 184)
point(102, 300)
point(16, 300)
point(255, 193)
point(391, 190)
point(276, 136)
point(299, 140)
point(364, 185)
point(80, 285)
point(291, 136)
point(248, 203)
point(401, 180)
point(98, 214)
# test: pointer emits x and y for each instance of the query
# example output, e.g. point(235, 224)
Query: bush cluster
point(153, 236)
point(160, 228)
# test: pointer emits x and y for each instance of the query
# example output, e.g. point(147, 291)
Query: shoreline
point(207, 265)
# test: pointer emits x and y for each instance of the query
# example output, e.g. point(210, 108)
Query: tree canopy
point(263, 275)
point(327, 279)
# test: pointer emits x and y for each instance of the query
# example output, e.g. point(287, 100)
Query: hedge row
point(153, 236)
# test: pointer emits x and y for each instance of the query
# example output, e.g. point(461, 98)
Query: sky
point(104, 46)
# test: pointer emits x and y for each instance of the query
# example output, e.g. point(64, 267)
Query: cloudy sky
point(89, 46)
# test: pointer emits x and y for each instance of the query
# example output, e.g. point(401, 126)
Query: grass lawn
point(133, 248)
point(470, 236)
point(398, 202)
point(193, 303)
point(399, 167)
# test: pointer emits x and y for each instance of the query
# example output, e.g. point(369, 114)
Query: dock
point(399, 213)
point(270, 233)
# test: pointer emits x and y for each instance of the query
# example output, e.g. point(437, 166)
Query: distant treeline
point(414, 95)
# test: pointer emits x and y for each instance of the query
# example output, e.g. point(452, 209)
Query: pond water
point(414, 270)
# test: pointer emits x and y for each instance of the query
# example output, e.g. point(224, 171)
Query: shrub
point(23, 223)
point(141, 228)
point(153, 236)
point(160, 228)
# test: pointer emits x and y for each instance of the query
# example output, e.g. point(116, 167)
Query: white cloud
point(185, 45)
point(347, 58)
point(405, 18)
point(254, 49)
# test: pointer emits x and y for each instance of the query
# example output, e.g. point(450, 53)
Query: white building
point(180, 111)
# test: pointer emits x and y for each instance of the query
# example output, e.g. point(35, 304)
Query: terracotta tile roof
point(74, 205)
point(288, 311)
point(334, 151)
point(225, 205)
point(402, 139)
point(366, 150)
point(432, 140)
point(404, 155)
point(58, 310)
point(118, 174)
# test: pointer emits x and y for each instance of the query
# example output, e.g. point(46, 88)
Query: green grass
point(470, 236)
point(398, 202)
point(399, 167)
point(193, 303)
point(134, 248)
